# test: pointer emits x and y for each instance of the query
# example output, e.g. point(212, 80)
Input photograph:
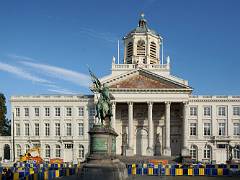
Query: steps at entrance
point(144, 159)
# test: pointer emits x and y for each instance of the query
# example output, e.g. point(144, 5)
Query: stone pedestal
point(102, 162)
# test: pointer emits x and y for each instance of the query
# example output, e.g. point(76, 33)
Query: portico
point(147, 127)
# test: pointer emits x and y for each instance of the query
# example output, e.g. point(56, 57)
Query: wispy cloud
point(95, 34)
point(21, 73)
point(61, 91)
point(60, 73)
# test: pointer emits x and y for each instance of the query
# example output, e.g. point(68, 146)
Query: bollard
point(56, 173)
point(190, 171)
point(145, 169)
point(45, 175)
point(150, 169)
point(133, 169)
point(219, 171)
point(201, 171)
point(139, 169)
point(167, 171)
point(15, 176)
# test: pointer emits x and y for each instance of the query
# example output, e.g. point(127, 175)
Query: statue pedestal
point(102, 162)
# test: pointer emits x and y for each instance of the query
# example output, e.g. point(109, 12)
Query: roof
point(143, 28)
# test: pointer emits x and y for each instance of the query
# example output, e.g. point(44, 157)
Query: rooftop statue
point(103, 106)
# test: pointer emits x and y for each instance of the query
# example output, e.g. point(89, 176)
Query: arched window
point(19, 150)
point(207, 152)
point(27, 147)
point(193, 152)
point(47, 151)
point(81, 151)
point(130, 49)
point(153, 50)
point(236, 153)
point(58, 151)
point(141, 48)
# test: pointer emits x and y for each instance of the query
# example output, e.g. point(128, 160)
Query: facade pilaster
point(167, 149)
point(185, 150)
point(85, 122)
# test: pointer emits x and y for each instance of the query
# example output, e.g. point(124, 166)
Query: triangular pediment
point(142, 79)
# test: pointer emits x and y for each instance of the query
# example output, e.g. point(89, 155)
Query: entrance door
point(7, 152)
point(68, 153)
point(175, 146)
point(141, 142)
point(221, 156)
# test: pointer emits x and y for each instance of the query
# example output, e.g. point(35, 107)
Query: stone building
point(154, 112)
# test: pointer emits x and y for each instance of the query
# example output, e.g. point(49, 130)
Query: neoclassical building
point(154, 112)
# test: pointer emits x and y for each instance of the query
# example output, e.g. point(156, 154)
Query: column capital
point(130, 103)
point(185, 103)
point(168, 102)
point(113, 103)
point(150, 103)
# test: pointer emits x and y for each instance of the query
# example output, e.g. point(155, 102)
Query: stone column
point(167, 149)
point(113, 120)
point(129, 151)
point(185, 150)
point(150, 151)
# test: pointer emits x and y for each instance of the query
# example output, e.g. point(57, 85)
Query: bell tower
point(142, 45)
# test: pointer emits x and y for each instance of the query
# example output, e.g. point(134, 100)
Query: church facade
point(154, 113)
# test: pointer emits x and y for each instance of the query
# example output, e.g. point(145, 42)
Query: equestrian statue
point(103, 106)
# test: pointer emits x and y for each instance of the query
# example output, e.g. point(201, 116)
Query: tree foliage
point(5, 125)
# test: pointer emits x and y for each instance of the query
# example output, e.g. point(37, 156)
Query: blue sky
point(45, 45)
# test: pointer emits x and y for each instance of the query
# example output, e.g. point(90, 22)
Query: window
point(207, 111)
point(81, 111)
point(81, 130)
point(221, 129)
point(236, 129)
point(222, 111)
point(236, 153)
point(47, 111)
point(236, 111)
point(36, 129)
point(207, 152)
point(92, 112)
point(193, 152)
point(57, 111)
point(17, 129)
point(141, 48)
point(19, 150)
point(207, 129)
point(193, 111)
point(26, 110)
point(193, 129)
point(36, 110)
point(57, 129)
point(58, 151)
point(18, 112)
point(27, 147)
point(69, 129)
point(81, 151)
point(47, 129)
point(129, 50)
point(68, 146)
point(69, 111)
point(26, 129)
point(47, 151)
point(153, 50)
